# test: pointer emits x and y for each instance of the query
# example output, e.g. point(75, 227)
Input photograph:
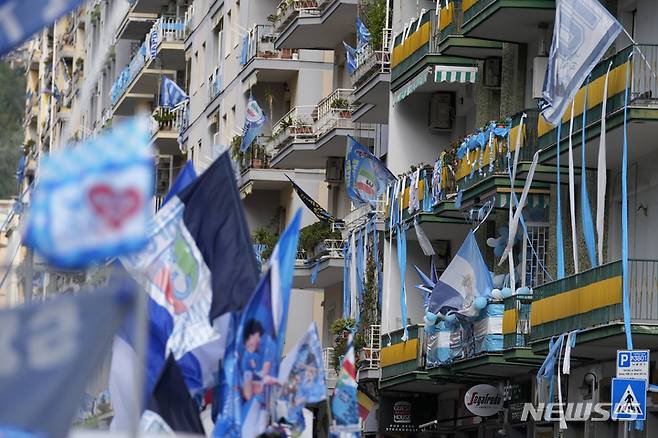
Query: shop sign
point(483, 400)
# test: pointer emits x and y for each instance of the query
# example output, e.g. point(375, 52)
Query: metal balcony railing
point(261, 40)
point(369, 63)
point(288, 10)
point(167, 29)
point(329, 372)
point(298, 125)
point(644, 76)
point(165, 119)
point(372, 348)
point(520, 317)
point(359, 216)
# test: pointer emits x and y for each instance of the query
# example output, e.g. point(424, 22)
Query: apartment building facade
point(431, 76)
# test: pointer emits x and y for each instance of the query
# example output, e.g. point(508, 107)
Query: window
point(220, 39)
point(229, 22)
point(535, 264)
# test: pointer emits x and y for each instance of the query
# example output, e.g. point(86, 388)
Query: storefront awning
point(413, 85)
point(452, 73)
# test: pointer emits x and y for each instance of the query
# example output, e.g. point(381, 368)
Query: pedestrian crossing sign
point(629, 399)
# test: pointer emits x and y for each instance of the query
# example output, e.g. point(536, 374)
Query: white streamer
point(601, 177)
point(572, 196)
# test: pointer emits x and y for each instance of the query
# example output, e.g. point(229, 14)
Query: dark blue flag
point(201, 270)
point(21, 18)
point(49, 353)
point(171, 400)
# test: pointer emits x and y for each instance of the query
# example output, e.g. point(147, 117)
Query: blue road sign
point(629, 399)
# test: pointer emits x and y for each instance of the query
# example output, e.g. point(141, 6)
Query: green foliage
point(340, 104)
point(12, 108)
point(314, 234)
point(373, 15)
point(263, 236)
point(341, 329)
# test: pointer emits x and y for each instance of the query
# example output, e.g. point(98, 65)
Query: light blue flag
point(302, 379)
point(50, 352)
point(21, 18)
point(254, 119)
point(171, 95)
point(251, 363)
point(93, 201)
point(362, 34)
point(366, 177)
point(350, 58)
point(466, 279)
point(584, 29)
point(244, 53)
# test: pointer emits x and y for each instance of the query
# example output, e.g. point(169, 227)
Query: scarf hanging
point(402, 263)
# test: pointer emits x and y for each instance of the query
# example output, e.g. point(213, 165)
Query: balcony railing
point(165, 29)
point(567, 304)
point(359, 216)
point(369, 63)
point(289, 10)
point(329, 372)
point(398, 357)
point(261, 44)
point(298, 125)
point(370, 360)
point(165, 119)
point(516, 321)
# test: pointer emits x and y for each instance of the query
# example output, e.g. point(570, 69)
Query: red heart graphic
point(114, 207)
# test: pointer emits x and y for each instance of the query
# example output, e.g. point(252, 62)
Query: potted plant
point(342, 105)
point(263, 236)
point(312, 237)
point(341, 329)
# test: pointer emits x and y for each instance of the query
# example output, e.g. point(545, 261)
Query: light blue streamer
point(402, 262)
point(559, 236)
point(585, 209)
point(624, 220)
point(346, 280)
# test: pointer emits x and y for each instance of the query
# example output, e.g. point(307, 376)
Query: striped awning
point(452, 73)
point(413, 85)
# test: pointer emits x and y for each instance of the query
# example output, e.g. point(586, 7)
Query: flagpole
point(141, 329)
point(635, 45)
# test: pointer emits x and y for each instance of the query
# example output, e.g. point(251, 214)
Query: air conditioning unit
point(539, 67)
point(492, 72)
point(442, 110)
point(335, 168)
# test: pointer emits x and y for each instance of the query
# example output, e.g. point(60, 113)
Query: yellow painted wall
point(577, 301)
point(398, 353)
point(413, 42)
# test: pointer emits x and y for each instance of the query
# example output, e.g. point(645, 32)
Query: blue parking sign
point(629, 399)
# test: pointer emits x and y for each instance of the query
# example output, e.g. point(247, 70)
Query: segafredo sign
point(483, 400)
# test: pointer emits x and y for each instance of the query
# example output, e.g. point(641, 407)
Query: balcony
point(140, 18)
point(315, 24)
point(591, 301)
point(161, 53)
point(417, 66)
point(371, 82)
point(449, 39)
point(403, 363)
point(320, 268)
point(306, 136)
point(165, 128)
point(642, 107)
point(507, 20)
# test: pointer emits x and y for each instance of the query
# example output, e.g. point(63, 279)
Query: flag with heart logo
point(92, 201)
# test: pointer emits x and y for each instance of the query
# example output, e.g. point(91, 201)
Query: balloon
point(523, 290)
point(451, 317)
point(431, 317)
point(507, 292)
point(480, 303)
point(497, 294)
